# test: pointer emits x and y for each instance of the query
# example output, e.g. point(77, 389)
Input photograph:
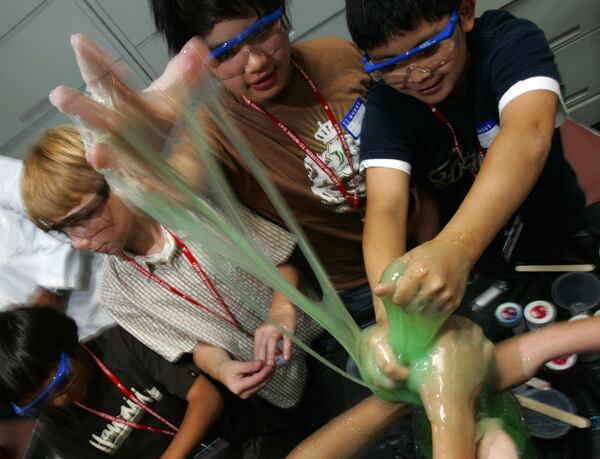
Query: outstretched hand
point(435, 278)
point(382, 365)
point(117, 116)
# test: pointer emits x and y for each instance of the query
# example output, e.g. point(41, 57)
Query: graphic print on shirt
point(115, 433)
point(333, 156)
point(454, 168)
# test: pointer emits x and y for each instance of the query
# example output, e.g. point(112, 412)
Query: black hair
point(180, 20)
point(374, 23)
point(31, 341)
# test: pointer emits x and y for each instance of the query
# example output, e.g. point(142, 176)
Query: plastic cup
point(542, 426)
point(577, 292)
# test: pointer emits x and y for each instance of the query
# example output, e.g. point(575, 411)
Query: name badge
point(352, 122)
point(487, 132)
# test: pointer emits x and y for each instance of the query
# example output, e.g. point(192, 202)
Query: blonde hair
point(56, 175)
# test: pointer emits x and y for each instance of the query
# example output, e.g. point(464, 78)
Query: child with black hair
point(109, 396)
point(469, 106)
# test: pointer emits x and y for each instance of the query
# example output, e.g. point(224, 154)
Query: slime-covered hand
point(380, 362)
point(434, 280)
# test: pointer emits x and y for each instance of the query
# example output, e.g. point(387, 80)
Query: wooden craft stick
point(554, 268)
point(553, 412)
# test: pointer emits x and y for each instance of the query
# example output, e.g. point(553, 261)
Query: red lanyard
point(442, 118)
point(352, 198)
point(134, 399)
point(229, 318)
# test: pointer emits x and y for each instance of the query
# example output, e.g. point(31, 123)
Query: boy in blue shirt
point(469, 107)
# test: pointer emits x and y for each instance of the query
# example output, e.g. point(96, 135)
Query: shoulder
point(329, 45)
point(499, 33)
point(386, 107)
point(508, 50)
point(115, 271)
point(329, 51)
point(118, 283)
point(501, 25)
point(384, 96)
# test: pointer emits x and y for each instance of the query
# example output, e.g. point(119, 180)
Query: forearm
point(345, 435)
point(210, 358)
point(512, 165)
point(384, 240)
point(520, 357)
point(456, 440)
point(205, 406)
point(290, 273)
point(508, 178)
point(384, 234)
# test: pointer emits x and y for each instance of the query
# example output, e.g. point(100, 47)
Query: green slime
point(213, 220)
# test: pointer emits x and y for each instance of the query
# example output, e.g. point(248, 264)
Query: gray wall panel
point(40, 58)
point(14, 12)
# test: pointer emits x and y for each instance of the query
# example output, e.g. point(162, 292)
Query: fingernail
point(51, 96)
point(74, 38)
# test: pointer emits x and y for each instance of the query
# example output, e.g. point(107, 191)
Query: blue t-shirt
point(509, 56)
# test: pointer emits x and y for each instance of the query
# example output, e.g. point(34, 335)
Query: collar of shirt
point(165, 255)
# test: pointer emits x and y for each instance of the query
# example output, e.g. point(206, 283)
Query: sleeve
point(45, 260)
point(519, 60)
point(387, 137)
point(177, 377)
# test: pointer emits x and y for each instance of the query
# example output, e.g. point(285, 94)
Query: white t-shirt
point(30, 257)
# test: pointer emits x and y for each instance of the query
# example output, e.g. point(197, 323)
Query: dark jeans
point(359, 302)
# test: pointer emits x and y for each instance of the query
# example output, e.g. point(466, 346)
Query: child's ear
point(466, 13)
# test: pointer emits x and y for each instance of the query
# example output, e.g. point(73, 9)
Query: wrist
point(283, 312)
point(463, 242)
point(450, 443)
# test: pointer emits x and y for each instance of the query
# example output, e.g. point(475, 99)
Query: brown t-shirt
point(333, 227)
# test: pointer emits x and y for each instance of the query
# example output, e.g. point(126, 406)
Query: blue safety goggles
point(55, 384)
point(441, 36)
point(246, 33)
